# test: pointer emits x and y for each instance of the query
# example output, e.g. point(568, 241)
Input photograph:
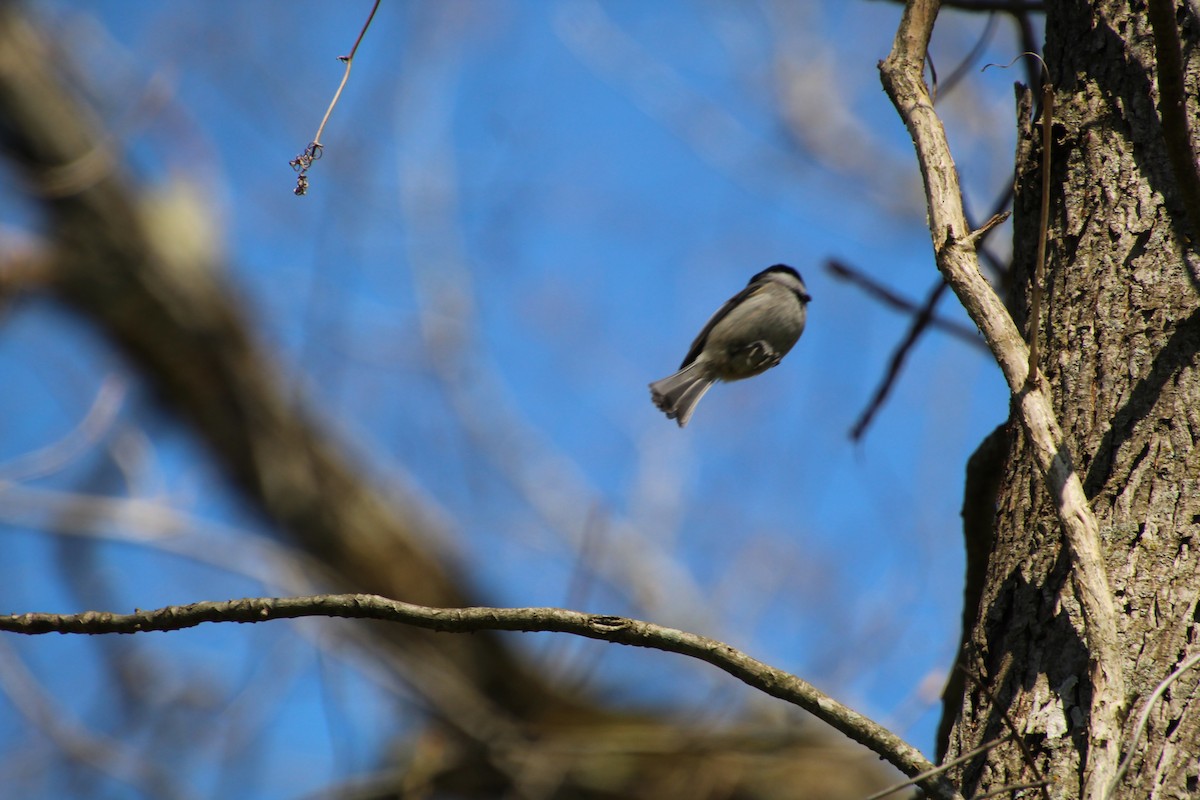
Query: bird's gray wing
point(722, 312)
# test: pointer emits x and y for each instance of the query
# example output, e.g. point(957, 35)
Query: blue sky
point(524, 213)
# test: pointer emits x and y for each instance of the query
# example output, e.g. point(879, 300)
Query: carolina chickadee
point(750, 334)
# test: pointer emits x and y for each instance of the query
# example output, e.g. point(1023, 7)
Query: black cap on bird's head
point(784, 269)
point(777, 268)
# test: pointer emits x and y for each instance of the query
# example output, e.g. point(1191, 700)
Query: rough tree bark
point(1120, 336)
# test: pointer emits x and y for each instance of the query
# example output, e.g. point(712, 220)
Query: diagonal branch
point(902, 73)
point(920, 322)
point(964, 333)
point(619, 630)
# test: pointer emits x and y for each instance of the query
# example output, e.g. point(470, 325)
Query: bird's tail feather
point(677, 395)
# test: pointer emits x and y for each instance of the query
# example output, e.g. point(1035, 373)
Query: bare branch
point(619, 630)
point(923, 318)
point(958, 261)
point(899, 356)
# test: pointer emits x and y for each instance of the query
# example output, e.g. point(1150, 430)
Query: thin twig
point(1144, 719)
point(619, 630)
point(902, 79)
point(302, 162)
point(983, 748)
point(1029, 44)
point(924, 318)
point(1039, 265)
point(976, 237)
point(899, 356)
point(843, 271)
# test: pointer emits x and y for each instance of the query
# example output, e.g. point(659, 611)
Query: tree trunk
point(1119, 335)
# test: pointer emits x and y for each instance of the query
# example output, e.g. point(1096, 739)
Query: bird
point(747, 336)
